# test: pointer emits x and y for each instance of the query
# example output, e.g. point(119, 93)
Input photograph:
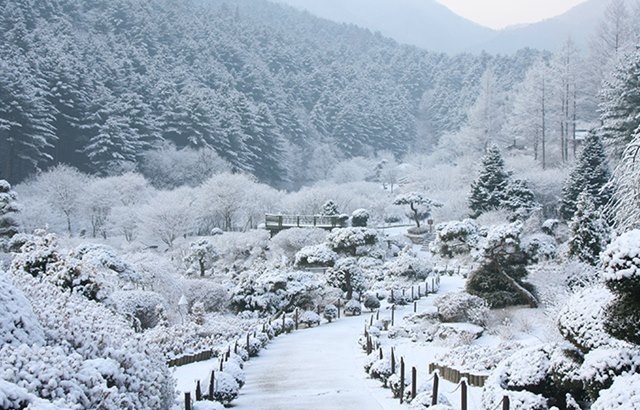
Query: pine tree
point(487, 191)
point(519, 199)
point(330, 208)
point(8, 210)
point(591, 174)
point(620, 109)
point(589, 233)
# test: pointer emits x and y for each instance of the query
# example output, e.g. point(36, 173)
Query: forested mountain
point(98, 83)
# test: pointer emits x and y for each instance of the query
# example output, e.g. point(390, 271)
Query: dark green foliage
point(624, 318)
point(591, 174)
point(519, 199)
point(359, 218)
point(487, 283)
point(589, 233)
point(488, 190)
point(330, 208)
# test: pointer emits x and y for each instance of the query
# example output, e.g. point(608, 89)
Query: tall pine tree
point(589, 232)
point(8, 211)
point(591, 174)
point(487, 191)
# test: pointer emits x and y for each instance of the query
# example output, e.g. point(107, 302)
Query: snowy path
point(319, 368)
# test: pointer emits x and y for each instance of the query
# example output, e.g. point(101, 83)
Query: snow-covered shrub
point(370, 360)
point(14, 397)
point(352, 308)
point(233, 368)
point(398, 297)
point(316, 255)
point(347, 276)
point(227, 388)
point(408, 265)
point(550, 226)
point(140, 305)
point(423, 401)
point(213, 296)
point(476, 358)
point(371, 302)
point(276, 290)
point(290, 241)
point(348, 240)
point(381, 369)
point(462, 307)
point(254, 347)
point(239, 250)
point(394, 385)
point(92, 357)
point(360, 217)
point(106, 258)
point(621, 263)
point(624, 393)
point(539, 247)
point(455, 334)
point(18, 324)
point(455, 238)
point(603, 364)
point(330, 312)
point(580, 275)
point(309, 318)
point(581, 320)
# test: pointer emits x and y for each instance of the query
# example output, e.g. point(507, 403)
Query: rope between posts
point(499, 404)
point(457, 387)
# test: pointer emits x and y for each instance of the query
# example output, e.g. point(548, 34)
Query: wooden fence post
point(419, 292)
point(187, 401)
point(393, 313)
point(415, 307)
point(198, 391)
point(211, 384)
point(248, 336)
point(412, 297)
point(378, 315)
point(401, 380)
point(296, 318)
point(380, 353)
point(414, 382)
point(235, 347)
point(434, 393)
point(505, 403)
point(283, 320)
point(463, 394)
point(392, 301)
point(393, 362)
point(221, 364)
point(338, 308)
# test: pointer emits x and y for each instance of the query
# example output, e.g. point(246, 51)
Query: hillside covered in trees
point(98, 84)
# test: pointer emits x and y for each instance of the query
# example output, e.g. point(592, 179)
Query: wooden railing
point(279, 222)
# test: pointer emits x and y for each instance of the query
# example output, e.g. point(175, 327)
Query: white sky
point(502, 13)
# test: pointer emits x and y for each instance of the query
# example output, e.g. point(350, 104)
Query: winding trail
point(313, 369)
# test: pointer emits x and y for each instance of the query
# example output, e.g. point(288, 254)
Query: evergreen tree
point(8, 210)
point(589, 233)
point(330, 208)
point(519, 199)
point(620, 109)
point(591, 174)
point(487, 191)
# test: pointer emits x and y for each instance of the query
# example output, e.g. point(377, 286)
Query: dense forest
point(99, 84)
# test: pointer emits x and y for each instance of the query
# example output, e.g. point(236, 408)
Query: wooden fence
point(455, 376)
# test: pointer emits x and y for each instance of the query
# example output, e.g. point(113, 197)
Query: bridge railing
point(273, 221)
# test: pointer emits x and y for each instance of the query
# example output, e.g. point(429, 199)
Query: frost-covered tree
point(419, 205)
point(168, 216)
point(348, 240)
point(589, 232)
point(624, 208)
point(487, 191)
point(590, 174)
point(330, 208)
point(620, 106)
point(360, 217)
point(519, 199)
point(200, 257)
point(8, 211)
point(347, 276)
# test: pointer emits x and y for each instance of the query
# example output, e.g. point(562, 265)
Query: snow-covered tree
point(330, 208)
point(487, 191)
point(8, 211)
point(168, 216)
point(590, 174)
point(589, 232)
point(519, 199)
point(347, 276)
point(200, 257)
point(624, 208)
point(360, 217)
point(622, 277)
point(419, 205)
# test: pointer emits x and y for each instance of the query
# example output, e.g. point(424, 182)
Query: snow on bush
point(290, 241)
point(462, 307)
point(316, 255)
point(381, 369)
point(240, 250)
point(104, 257)
point(476, 358)
point(18, 324)
point(455, 238)
point(348, 240)
point(214, 296)
point(602, 365)
point(309, 318)
point(141, 306)
point(207, 405)
point(276, 290)
point(352, 308)
point(624, 393)
point(621, 261)
point(227, 388)
point(14, 397)
point(371, 302)
point(330, 312)
point(408, 265)
point(233, 368)
point(581, 319)
point(360, 217)
point(524, 377)
point(423, 401)
point(539, 247)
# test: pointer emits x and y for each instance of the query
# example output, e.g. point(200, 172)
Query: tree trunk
point(415, 214)
point(533, 302)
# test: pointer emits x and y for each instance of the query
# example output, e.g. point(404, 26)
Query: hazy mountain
point(579, 23)
point(430, 25)
point(423, 23)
